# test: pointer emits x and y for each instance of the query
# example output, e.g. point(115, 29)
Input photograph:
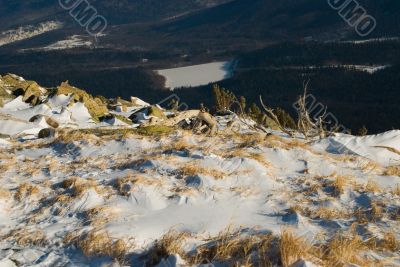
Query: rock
point(95, 106)
point(50, 121)
point(208, 119)
point(30, 90)
point(46, 133)
point(138, 102)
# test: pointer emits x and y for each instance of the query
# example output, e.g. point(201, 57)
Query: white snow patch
point(28, 31)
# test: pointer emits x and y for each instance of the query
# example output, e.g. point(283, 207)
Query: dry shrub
point(79, 186)
point(24, 237)
point(192, 169)
point(392, 171)
point(292, 248)
point(26, 190)
point(100, 243)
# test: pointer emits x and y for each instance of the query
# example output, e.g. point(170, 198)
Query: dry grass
point(191, 169)
point(79, 186)
point(26, 190)
point(339, 185)
point(70, 136)
point(389, 242)
point(373, 214)
point(170, 243)
point(328, 213)
point(292, 248)
point(100, 215)
point(24, 237)
point(344, 249)
point(396, 190)
point(126, 184)
point(100, 243)
point(64, 198)
point(376, 212)
point(372, 187)
point(234, 249)
point(181, 145)
point(4, 194)
point(392, 171)
point(249, 140)
point(260, 158)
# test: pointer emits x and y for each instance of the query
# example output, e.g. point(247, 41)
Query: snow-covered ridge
point(28, 31)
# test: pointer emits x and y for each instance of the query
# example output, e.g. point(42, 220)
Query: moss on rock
point(31, 90)
point(95, 106)
point(155, 130)
point(123, 119)
point(156, 112)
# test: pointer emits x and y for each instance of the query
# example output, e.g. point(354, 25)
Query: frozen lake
point(196, 75)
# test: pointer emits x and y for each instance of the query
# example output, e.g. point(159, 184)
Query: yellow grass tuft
point(396, 190)
point(376, 212)
point(26, 190)
point(233, 248)
point(339, 185)
point(344, 249)
point(372, 187)
point(79, 186)
point(292, 247)
point(249, 140)
point(24, 237)
point(328, 213)
point(192, 169)
point(100, 243)
point(392, 171)
point(389, 242)
point(170, 243)
point(100, 215)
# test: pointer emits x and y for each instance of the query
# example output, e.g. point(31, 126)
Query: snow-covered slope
point(28, 31)
point(98, 194)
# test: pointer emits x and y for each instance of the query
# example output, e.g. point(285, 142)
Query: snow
point(139, 188)
point(196, 75)
point(74, 41)
point(28, 31)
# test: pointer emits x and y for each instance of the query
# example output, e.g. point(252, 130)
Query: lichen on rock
point(95, 106)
